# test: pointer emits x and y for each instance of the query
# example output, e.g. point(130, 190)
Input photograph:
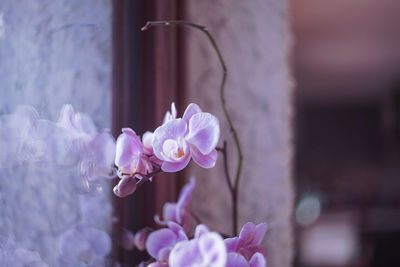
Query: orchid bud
point(127, 240)
point(125, 187)
point(141, 238)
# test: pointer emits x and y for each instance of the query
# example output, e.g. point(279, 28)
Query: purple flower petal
point(190, 111)
point(175, 166)
point(205, 161)
point(170, 115)
point(259, 233)
point(258, 260)
point(127, 240)
point(213, 250)
point(203, 132)
point(247, 233)
point(200, 230)
point(158, 240)
point(169, 212)
point(232, 244)
point(173, 130)
point(185, 253)
point(178, 230)
point(98, 159)
point(236, 260)
point(249, 251)
point(183, 200)
point(141, 238)
point(128, 150)
point(147, 140)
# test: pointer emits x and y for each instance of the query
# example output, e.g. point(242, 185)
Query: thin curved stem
point(232, 130)
point(145, 177)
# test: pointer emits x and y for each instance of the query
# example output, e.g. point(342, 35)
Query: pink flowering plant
point(169, 148)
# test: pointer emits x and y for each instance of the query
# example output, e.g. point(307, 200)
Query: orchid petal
point(236, 260)
point(175, 166)
point(258, 260)
point(185, 253)
point(128, 149)
point(190, 111)
point(173, 110)
point(247, 233)
point(184, 198)
point(163, 254)
point(158, 240)
point(147, 140)
point(249, 251)
point(98, 161)
point(173, 129)
point(205, 161)
point(232, 244)
point(141, 237)
point(203, 132)
point(259, 233)
point(212, 248)
point(169, 211)
point(127, 239)
point(201, 229)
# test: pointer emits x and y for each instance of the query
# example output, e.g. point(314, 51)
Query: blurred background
point(347, 67)
point(336, 136)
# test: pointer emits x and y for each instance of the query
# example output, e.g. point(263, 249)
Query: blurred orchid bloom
point(79, 125)
point(13, 255)
point(195, 135)
point(130, 157)
point(84, 245)
point(248, 242)
point(177, 212)
point(97, 149)
point(205, 249)
point(160, 243)
point(98, 157)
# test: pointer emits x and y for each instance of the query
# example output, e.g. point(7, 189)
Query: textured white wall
point(52, 52)
point(255, 40)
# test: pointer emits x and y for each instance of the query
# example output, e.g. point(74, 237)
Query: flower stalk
point(233, 187)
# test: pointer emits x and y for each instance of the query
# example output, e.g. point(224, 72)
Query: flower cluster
point(169, 148)
point(171, 245)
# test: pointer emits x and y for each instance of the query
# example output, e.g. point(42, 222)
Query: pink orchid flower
point(247, 244)
point(205, 249)
point(130, 157)
point(195, 135)
point(178, 212)
point(160, 243)
point(96, 148)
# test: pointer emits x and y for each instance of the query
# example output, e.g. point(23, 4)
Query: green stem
point(232, 130)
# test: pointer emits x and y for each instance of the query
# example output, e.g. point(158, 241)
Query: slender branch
point(232, 129)
point(145, 177)
point(226, 169)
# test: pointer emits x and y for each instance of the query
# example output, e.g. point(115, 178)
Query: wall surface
point(52, 53)
point(255, 41)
